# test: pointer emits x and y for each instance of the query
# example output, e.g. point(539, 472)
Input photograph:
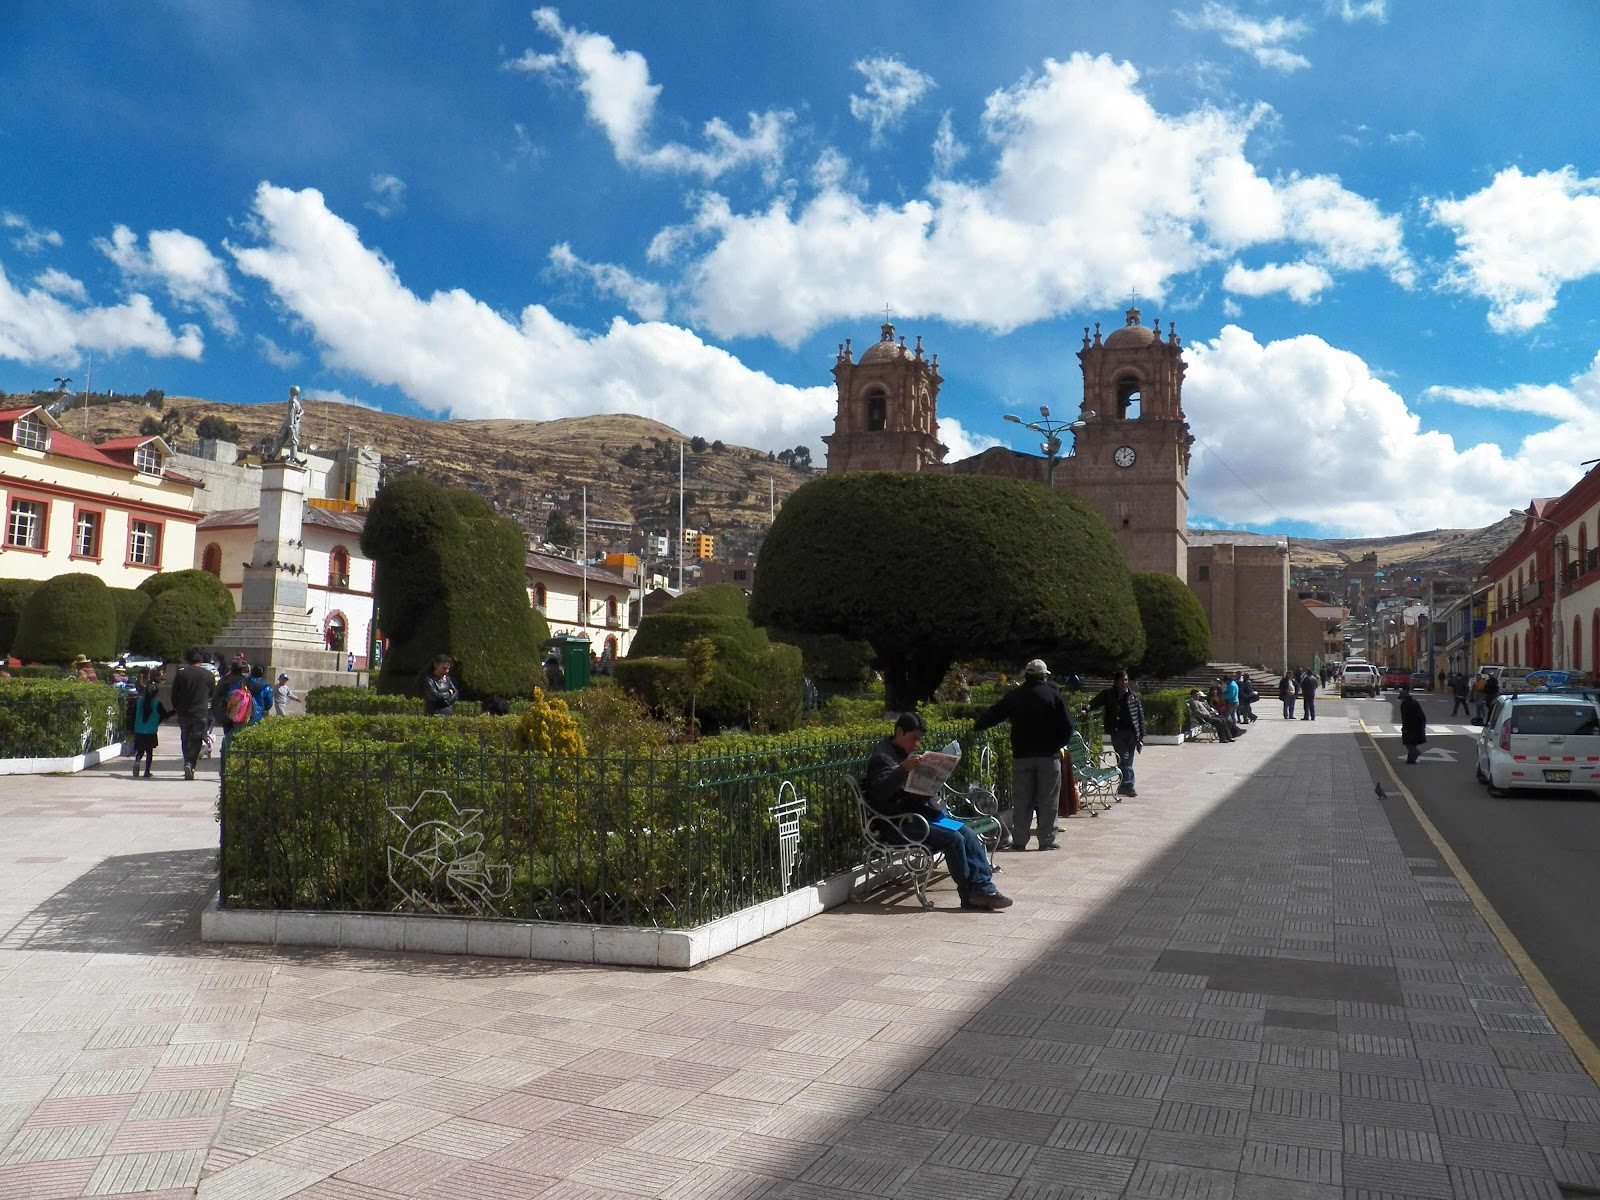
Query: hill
point(1454, 551)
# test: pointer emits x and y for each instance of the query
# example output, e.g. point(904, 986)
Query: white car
point(1362, 678)
point(1547, 742)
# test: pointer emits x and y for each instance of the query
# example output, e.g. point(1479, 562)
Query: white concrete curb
point(554, 941)
point(59, 766)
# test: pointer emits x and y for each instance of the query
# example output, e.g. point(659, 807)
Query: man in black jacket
point(1124, 725)
point(888, 770)
point(1040, 725)
point(191, 703)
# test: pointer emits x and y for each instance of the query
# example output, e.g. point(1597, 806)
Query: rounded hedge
point(174, 621)
point(14, 594)
point(65, 617)
point(131, 605)
point(203, 583)
point(1176, 633)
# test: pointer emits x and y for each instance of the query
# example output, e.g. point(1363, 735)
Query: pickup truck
point(1396, 677)
point(1359, 679)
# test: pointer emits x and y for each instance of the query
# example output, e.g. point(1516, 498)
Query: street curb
point(1555, 1009)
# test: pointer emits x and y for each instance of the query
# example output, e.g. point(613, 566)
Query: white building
point(557, 587)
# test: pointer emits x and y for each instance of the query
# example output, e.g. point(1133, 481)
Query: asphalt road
point(1536, 856)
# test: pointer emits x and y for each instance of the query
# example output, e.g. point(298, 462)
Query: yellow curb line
point(1559, 1014)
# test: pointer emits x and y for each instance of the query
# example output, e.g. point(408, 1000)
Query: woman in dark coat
point(1413, 724)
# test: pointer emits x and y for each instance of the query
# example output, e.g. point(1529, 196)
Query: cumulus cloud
point(1261, 40)
point(39, 325)
point(1299, 281)
point(388, 195)
point(1299, 419)
point(277, 355)
point(644, 298)
point(334, 396)
point(59, 283)
point(962, 442)
point(892, 90)
point(454, 354)
point(621, 100)
point(1093, 194)
point(1519, 239)
point(948, 150)
point(182, 264)
point(1360, 10)
point(25, 236)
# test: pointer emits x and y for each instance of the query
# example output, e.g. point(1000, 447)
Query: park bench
point(1097, 783)
point(897, 847)
point(1201, 731)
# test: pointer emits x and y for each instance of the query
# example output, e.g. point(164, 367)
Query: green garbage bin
point(573, 655)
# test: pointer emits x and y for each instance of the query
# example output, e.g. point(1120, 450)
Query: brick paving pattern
point(1236, 986)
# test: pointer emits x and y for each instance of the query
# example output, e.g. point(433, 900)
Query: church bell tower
point(1132, 454)
point(887, 415)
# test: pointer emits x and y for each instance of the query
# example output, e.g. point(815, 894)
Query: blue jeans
point(1288, 709)
point(1124, 745)
point(966, 857)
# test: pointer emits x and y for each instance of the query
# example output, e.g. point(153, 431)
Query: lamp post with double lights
point(1051, 430)
point(1557, 568)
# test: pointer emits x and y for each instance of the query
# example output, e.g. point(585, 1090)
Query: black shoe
point(188, 771)
point(1129, 792)
point(1019, 847)
point(1050, 846)
point(988, 901)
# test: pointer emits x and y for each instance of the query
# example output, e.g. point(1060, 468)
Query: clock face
point(1124, 456)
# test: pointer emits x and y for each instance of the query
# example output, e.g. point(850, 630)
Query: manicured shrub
point(1166, 711)
point(1177, 636)
point(65, 617)
point(175, 620)
point(57, 718)
point(14, 594)
point(203, 583)
point(131, 605)
point(997, 568)
point(360, 701)
point(833, 663)
point(451, 578)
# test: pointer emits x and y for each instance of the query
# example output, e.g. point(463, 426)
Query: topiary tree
point(452, 578)
point(131, 604)
point(174, 621)
point(835, 664)
point(202, 583)
point(934, 568)
point(1176, 634)
point(14, 594)
point(65, 617)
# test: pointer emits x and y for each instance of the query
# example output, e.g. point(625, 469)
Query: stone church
point(1129, 458)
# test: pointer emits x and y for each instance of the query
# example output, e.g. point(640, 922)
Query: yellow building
point(111, 510)
point(699, 545)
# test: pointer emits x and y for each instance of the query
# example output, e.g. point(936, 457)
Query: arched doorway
point(211, 559)
point(339, 567)
point(1575, 651)
point(336, 632)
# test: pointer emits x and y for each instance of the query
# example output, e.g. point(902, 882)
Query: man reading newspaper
point(890, 772)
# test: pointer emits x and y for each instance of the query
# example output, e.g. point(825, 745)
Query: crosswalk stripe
point(1471, 731)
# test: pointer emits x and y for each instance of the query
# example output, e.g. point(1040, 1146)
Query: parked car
point(1421, 681)
point(1548, 742)
point(1396, 677)
point(1359, 679)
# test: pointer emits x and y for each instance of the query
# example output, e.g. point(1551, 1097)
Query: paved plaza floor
point(1255, 980)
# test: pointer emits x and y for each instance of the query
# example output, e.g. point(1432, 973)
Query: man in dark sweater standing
point(1124, 725)
point(1041, 724)
point(191, 704)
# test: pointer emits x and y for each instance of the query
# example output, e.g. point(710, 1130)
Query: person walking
point(1247, 698)
point(192, 688)
point(1041, 724)
point(232, 712)
point(1230, 698)
point(1460, 692)
point(1308, 696)
point(1288, 689)
point(1124, 724)
point(282, 694)
point(147, 717)
point(1413, 724)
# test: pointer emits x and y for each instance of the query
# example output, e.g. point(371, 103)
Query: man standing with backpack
point(1040, 725)
point(235, 706)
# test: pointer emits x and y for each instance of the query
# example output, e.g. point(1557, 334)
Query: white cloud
point(37, 326)
point(1360, 10)
point(277, 355)
point(59, 283)
point(454, 354)
point(182, 264)
point(621, 100)
point(28, 239)
point(644, 298)
point(1261, 40)
point(1297, 420)
point(892, 90)
point(1519, 239)
point(948, 150)
point(1301, 282)
point(388, 195)
point(1093, 194)
point(963, 443)
point(333, 396)
point(1410, 137)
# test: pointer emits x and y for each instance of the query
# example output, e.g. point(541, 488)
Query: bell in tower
point(887, 416)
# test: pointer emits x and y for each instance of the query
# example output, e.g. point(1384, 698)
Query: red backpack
point(241, 706)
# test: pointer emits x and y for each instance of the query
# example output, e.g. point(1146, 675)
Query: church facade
point(1129, 457)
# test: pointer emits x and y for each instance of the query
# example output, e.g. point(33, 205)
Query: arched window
point(877, 410)
point(339, 567)
point(1129, 393)
point(211, 559)
point(1575, 651)
point(610, 650)
point(541, 597)
point(611, 608)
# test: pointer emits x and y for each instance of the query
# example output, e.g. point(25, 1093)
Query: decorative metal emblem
point(786, 814)
point(439, 851)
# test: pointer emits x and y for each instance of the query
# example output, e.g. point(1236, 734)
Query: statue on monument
point(286, 445)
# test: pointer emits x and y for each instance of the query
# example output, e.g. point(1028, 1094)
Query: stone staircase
point(1202, 677)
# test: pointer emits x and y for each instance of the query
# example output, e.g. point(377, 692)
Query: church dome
point(1132, 335)
point(885, 349)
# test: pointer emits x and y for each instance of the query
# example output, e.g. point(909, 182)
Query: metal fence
point(672, 839)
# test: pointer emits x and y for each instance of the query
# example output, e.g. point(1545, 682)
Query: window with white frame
point(30, 433)
point(147, 458)
point(25, 524)
point(86, 533)
point(144, 543)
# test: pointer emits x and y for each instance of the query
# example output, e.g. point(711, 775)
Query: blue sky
point(1376, 226)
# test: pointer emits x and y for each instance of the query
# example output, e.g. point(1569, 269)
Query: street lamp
point(1557, 638)
point(1052, 431)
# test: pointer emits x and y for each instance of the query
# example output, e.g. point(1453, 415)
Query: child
point(147, 717)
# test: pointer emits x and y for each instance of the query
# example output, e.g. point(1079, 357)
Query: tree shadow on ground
point(127, 904)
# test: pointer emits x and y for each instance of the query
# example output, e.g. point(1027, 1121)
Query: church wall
point(1307, 638)
point(1244, 590)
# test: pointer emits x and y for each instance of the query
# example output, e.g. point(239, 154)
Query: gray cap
point(1036, 669)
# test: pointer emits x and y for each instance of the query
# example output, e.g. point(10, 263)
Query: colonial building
point(114, 510)
point(583, 601)
point(1544, 595)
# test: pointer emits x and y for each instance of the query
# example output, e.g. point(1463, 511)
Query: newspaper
point(936, 766)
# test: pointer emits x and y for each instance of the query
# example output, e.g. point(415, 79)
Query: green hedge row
point(57, 718)
point(1165, 712)
point(329, 701)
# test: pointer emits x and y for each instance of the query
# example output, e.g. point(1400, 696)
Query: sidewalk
point(1241, 984)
